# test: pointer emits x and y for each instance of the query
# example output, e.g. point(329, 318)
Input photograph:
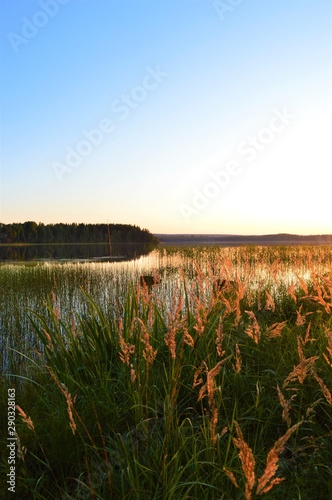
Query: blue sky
point(181, 116)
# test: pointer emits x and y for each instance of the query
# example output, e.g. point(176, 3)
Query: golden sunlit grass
point(214, 384)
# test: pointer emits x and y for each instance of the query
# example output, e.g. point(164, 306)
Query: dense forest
point(31, 232)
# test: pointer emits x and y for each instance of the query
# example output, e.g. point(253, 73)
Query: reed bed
point(181, 390)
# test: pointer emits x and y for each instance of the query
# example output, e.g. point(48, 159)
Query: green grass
point(122, 397)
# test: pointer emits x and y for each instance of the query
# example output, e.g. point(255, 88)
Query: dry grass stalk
point(259, 296)
point(21, 450)
point(247, 461)
point(320, 297)
point(238, 359)
point(175, 323)
point(275, 329)
point(269, 305)
point(240, 289)
point(126, 348)
point(197, 377)
point(227, 304)
point(68, 397)
point(69, 400)
point(301, 318)
point(299, 348)
point(56, 309)
point(149, 354)
point(92, 495)
point(327, 359)
point(70, 409)
point(200, 282)
point(219, 339)
point(307, 335)
point(226, 267)
point(49, 340)
point(187, 338)
point(285, 406)
point(328, 356)
point(267, 480)
point(291, 292)
point(325, 390)
point(200, 313)
point(302, 369)
point(170, 341)
point(239, 294)
point(231, 477)
point(303, 284)
point(25, 418)
point(132, 374)
point(223, 432)
point(208, 390)
point(275, 268)
point(320, 300)
point(253, 330)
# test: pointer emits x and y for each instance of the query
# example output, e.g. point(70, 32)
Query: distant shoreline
point(208, 239)
point(235, 240)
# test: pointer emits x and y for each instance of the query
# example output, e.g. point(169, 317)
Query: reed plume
point(267, 480)
point(219, 339)
point(231, 477)
point(175, 323)
point(238, 359)
point(302, 369)
point(285, 406)
point(126, 349)
point(69, 400)
point(149, 354)
point(303, 284)
point(291, 292)
point(247, 461)
point(253, 330)
point(21, 450)
point(325, 390)
point(275, 329)
point(187, 338)
point(207, 390)
point(27, 420)
point(307, 335)
point(301, 318)
point(269, 305)
point(328, 356)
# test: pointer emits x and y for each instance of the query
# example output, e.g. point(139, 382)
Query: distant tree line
point(31, 232)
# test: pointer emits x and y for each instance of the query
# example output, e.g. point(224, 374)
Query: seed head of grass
point(25, 418)
point(267, 480)
point(247, 461)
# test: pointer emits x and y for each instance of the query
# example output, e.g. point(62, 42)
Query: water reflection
point(95, 251)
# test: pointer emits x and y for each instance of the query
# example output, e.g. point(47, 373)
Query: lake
point(28, 286)
point(72, 251)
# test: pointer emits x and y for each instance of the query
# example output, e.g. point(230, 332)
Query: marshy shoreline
point(179, 390)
